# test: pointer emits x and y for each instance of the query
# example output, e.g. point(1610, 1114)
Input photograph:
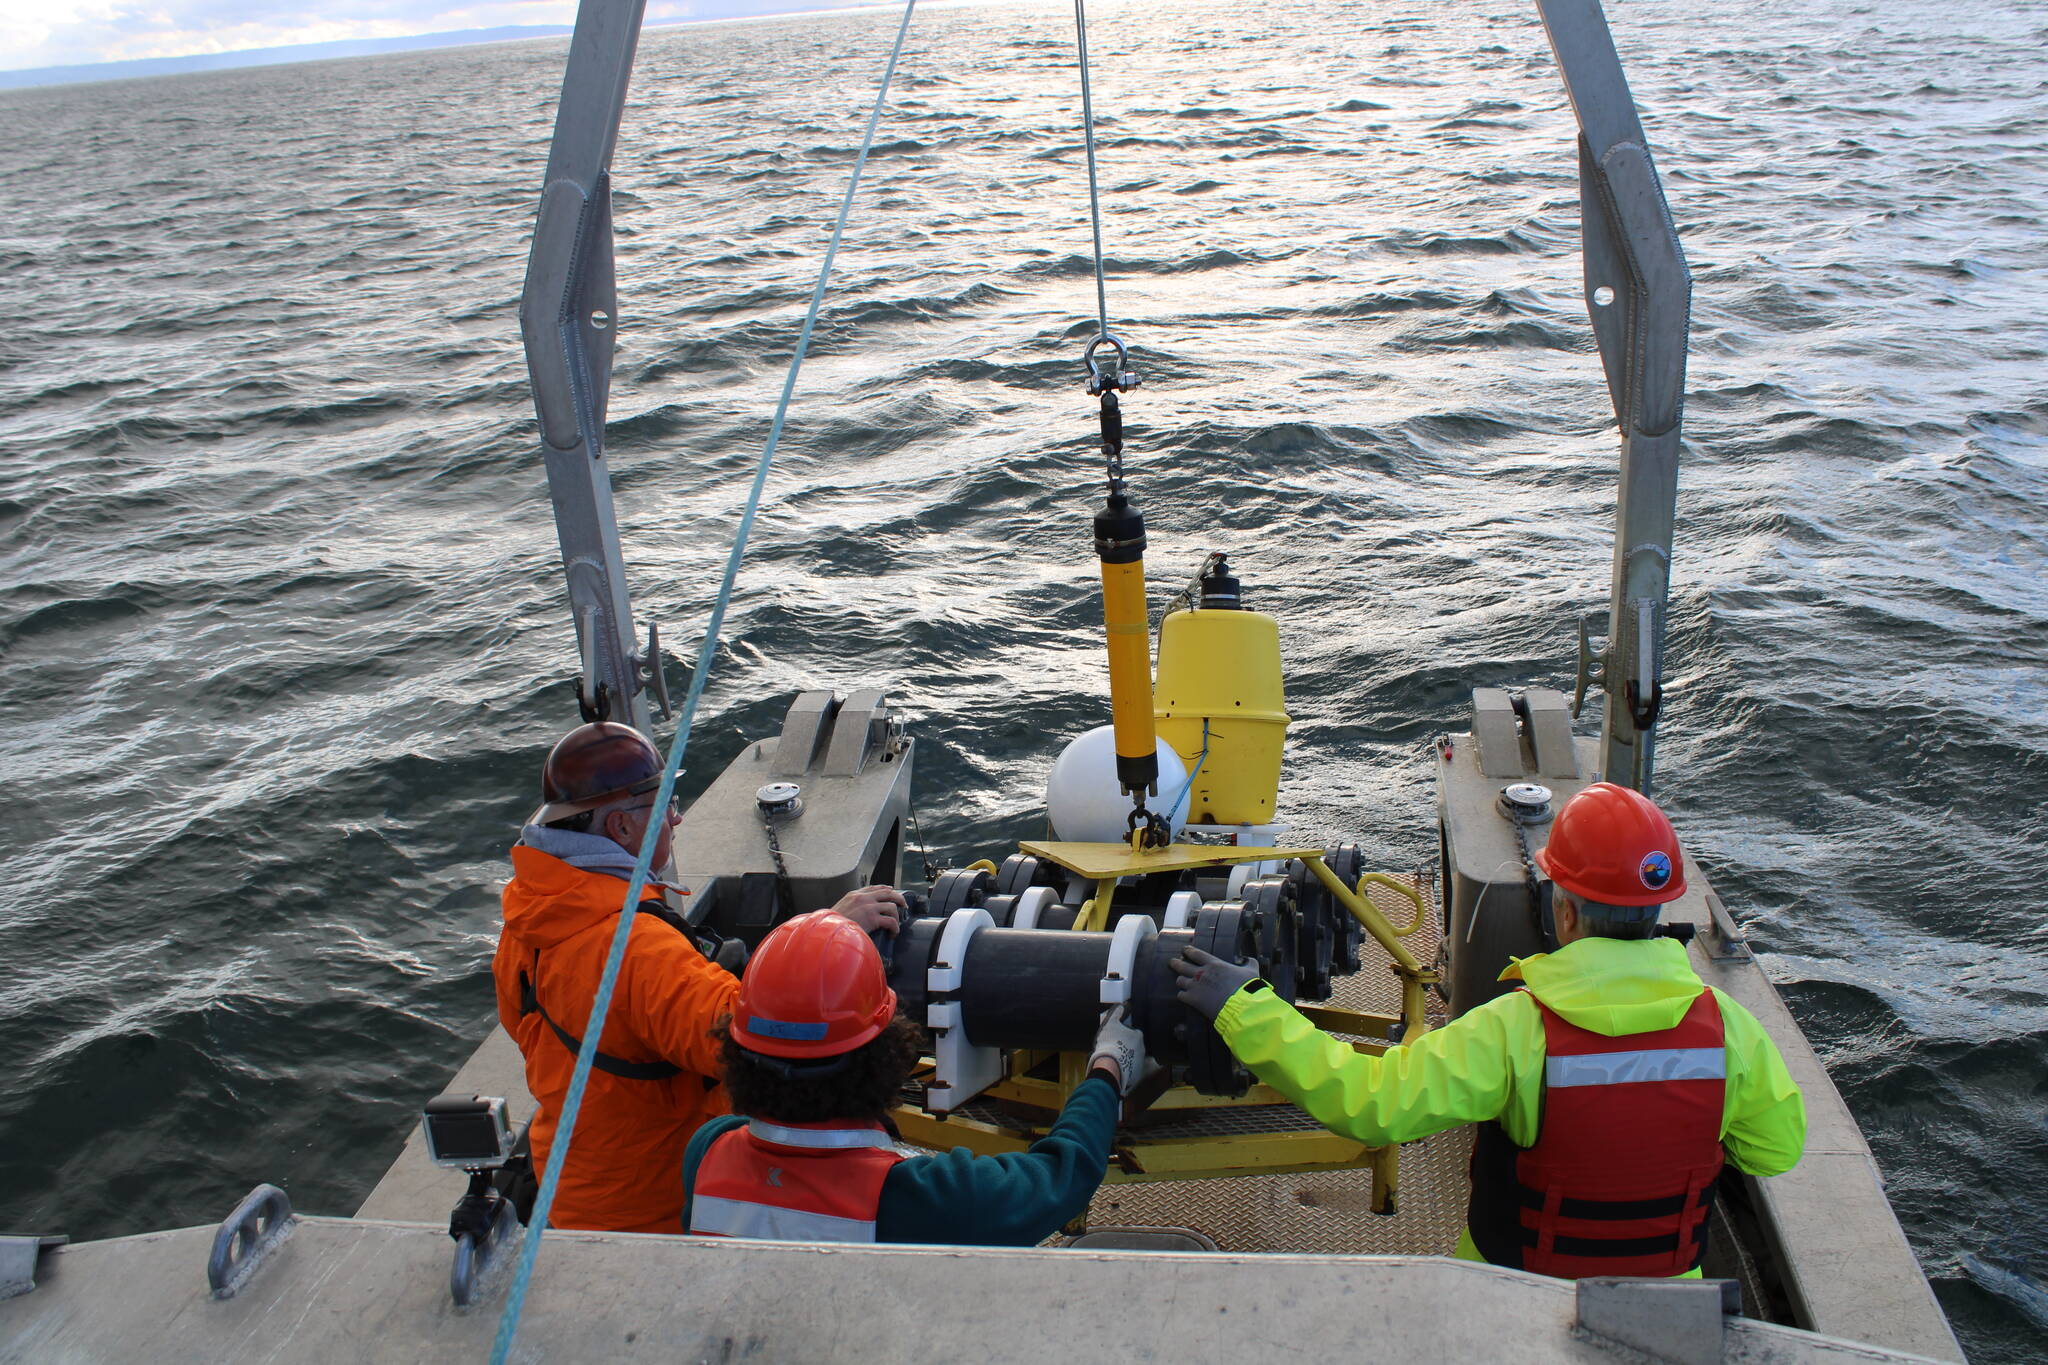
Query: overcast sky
point(64, 32)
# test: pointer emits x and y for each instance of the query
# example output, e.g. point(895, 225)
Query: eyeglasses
point(675, 809)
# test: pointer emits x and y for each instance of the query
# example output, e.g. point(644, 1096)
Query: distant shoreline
point(141, 68)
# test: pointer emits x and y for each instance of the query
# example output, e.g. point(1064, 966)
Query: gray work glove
point(1206, 980)
point(1119, 1043)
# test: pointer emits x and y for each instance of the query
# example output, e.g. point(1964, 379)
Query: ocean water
point(282, 637)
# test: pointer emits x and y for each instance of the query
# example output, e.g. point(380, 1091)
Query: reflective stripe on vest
point(793, 1182)
point(1620, 1179)
point(1631, 1068)
point(714, 1217)
point(823, 1139)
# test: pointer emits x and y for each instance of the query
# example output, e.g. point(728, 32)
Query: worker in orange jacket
point(656, 1074)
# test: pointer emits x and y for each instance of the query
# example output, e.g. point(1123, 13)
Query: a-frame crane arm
point(568, 317)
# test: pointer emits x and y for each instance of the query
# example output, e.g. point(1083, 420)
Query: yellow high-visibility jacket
point(1488, 1063)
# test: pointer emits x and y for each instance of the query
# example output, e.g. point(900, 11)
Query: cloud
point(37, 33)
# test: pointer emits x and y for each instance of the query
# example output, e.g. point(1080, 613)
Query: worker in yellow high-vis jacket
point(1609, 1088)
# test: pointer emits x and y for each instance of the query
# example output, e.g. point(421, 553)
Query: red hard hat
point(593, 765)
point(814, 988)
point(1610, 844)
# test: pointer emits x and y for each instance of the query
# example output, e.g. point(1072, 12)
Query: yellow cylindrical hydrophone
point(1120, 544)
point(1130, 674)
point(1220, 688)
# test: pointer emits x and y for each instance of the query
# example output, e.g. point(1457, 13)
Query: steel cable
point(1094, 197)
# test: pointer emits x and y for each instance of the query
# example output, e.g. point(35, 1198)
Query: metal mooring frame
point(1040, 1083)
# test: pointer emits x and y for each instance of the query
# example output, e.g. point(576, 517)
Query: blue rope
point(558, 1150)
point(1188, 785)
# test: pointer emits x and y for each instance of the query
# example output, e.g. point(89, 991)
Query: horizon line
point(113, 70)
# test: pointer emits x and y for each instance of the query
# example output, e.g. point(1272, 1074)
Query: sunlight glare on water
point(282, 633)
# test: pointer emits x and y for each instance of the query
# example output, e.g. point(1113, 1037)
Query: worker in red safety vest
point(656, 1074)
point(1608, 1088)
point(815, 1055)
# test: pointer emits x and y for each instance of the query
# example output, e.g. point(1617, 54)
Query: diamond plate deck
point(1319, 1211)
point(1316, 1212)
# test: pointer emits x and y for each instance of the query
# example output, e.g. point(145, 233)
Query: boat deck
point(1843, 1263)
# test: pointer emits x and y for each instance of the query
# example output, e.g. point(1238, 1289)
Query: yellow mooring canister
point(1220, 665)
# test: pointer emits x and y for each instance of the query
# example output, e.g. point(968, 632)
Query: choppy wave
point(281, 638)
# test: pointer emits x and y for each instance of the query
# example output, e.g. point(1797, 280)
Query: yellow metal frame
point(1135, 1160)
point(1099, 861)
point(1104, 864)
point(1138, 1158)
point(1405, 890)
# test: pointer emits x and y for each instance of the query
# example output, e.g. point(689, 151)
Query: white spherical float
point(1084, 803)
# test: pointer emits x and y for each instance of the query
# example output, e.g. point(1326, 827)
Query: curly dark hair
point(865, 1086)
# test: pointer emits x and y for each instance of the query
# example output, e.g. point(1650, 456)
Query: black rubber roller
point(1034, 988)
point(1042, 989)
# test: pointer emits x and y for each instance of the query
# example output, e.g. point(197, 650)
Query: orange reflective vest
point(793, 1182)
point(624, 1166)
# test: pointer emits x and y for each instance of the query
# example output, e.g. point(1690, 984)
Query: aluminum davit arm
point(1639, 294)
point(567, 315)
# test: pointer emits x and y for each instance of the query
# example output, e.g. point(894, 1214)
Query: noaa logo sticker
point(1655, 871)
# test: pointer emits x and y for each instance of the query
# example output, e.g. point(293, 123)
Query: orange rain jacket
point(624, 1171)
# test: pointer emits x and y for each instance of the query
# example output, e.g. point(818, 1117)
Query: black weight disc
point(1018, 873)
point(1226, 931)
point(910, 962)
point(1317, 935)
point(1348, 862)
point(958, 889)
point(1155, 1008)
point(1271, 900)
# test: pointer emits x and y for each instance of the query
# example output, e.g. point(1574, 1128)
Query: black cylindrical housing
point(1119, 530)
point(1220, 589)
point(1027, 988)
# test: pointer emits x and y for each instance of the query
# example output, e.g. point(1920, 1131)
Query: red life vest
point(794, 1182)
point(1621, 1179)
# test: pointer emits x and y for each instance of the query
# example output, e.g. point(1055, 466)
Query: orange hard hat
point(814, 988)
point(1611, 845)
point(593, 765)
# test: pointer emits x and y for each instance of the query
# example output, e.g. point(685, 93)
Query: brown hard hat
point(594, 765)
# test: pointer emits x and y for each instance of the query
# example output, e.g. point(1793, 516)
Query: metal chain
point(1113, 439)
point(1529, 878)
point(783, 891)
